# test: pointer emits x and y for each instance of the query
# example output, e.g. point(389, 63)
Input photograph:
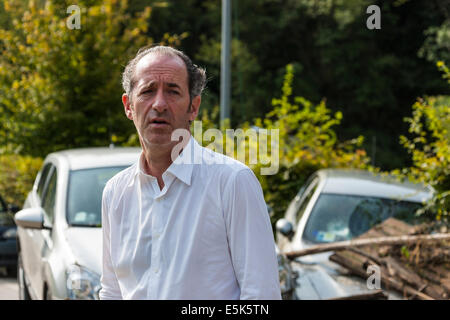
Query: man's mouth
point(159, 122)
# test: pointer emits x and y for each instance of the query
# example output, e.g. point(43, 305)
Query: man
point(176, 229)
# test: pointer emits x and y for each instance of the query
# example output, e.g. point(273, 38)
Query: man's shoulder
point(224, 171)
point(218, 162)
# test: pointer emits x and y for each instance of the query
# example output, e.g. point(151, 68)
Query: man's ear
point(127, 106)
point(195, 106)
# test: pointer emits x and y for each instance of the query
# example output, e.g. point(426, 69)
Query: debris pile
point(418, 270)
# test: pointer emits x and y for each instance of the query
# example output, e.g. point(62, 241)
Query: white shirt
point(205, 235)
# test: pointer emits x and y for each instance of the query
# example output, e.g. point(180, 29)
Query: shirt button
point(156, 270)
point(157, 235)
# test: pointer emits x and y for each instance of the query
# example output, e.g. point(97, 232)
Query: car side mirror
point(31, 218)
point(285, 227)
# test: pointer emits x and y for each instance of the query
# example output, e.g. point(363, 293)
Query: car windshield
point(84, 205)
point(343, 217)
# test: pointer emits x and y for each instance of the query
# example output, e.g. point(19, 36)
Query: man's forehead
point(159, 65)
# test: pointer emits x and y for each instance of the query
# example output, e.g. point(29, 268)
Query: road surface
point(8, 287)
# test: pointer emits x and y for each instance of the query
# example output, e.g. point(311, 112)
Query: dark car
point(8, 243)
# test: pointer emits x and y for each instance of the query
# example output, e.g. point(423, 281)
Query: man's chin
point(161, 140)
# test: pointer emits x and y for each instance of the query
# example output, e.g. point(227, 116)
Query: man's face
point(160, 99)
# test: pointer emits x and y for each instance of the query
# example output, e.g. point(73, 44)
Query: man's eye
point(174, 92)
point(147, 91)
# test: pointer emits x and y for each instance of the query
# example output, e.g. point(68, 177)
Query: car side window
point(48, 202)
point(42, 180)
point(306, 197)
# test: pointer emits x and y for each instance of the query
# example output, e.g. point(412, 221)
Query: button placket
point(156, 220)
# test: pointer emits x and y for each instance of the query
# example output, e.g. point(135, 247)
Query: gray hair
point(196, 75)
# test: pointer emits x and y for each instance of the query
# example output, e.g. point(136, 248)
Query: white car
point(59, 230)
point(338, 205)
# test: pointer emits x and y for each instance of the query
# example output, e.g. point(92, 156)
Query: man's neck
point(157, 158)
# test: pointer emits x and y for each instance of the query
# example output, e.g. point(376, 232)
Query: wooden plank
point(395, 227)
point(436, 291)
point(424, 274)
point(442, 270)
point(387, 281)
point(403, 273)
point(445, 283)
point(342, 245)
point(398, 274)
point(432, 277)
point(367, 255)
point(353, 265)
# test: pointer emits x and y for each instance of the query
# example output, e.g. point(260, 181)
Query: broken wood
point(387, 281)
point(343, 245)
point(420, 290)
point(418, 270)
point(367, 255)
point(408, 276)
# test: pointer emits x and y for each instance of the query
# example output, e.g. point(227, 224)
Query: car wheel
point(23, 290)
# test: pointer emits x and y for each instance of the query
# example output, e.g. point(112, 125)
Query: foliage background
point(429, 147)
point(60, 88)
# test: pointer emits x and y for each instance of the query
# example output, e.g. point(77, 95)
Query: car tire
point(23, 290)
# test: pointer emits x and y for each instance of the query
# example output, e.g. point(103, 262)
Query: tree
point(61, 88)
point(429, 147)
point(306, 142)
point(371, 76)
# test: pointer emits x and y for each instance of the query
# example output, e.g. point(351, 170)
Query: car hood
point(86, 246)
point(319, 279)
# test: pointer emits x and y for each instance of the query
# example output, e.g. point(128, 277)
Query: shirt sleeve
point(110, 286)
point(250, 238)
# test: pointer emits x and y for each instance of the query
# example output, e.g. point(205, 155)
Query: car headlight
point(82, 284)
point(10, 233)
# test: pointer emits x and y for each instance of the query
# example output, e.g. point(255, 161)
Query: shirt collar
point(182, 167)
point(140, 167)
point(184, 164)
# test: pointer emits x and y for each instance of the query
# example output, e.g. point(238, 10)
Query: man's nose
point(160, 103)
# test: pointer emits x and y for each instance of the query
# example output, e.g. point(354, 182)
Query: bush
point(17, 175)
point(429, 147)
point(307, 142)
point(63, 85)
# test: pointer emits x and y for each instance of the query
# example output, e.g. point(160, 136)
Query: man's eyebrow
point(148, 84)
point(152, 84)
point(173, 85)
